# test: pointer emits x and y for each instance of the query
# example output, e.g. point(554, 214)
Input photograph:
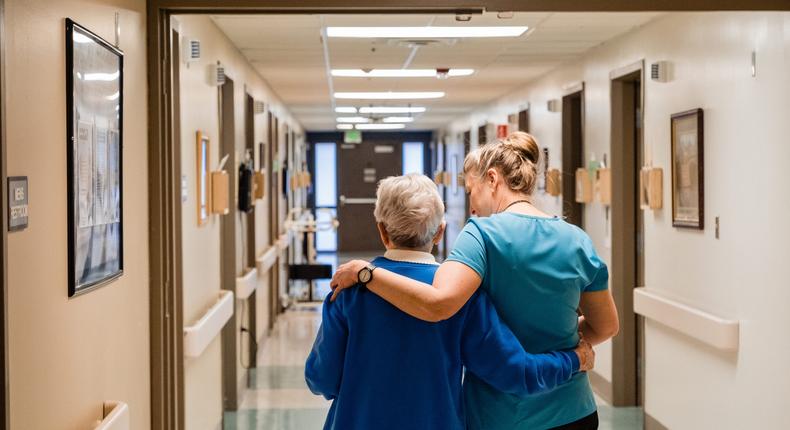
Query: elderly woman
point(384, 369)
point(536, 268)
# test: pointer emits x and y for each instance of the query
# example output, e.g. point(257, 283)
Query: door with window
point(359, 169)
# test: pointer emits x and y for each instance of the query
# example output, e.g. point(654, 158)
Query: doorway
point(627, 269)
point(572, 154)
point(4, 418)
point(229, 266)
point(467, 149)
point(359, 169)
point(272, 167)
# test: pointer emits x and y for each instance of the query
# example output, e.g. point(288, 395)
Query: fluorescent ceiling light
point(353, 119)
point(398, 73)
point(350, 109)
point(379, 126)
point(345, 126)
point(391, 109)
point(425, 32)
point(390, 95)
point(398, 119)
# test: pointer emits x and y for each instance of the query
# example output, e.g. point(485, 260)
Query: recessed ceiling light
point(425, 32)
point(391, 109)
point(379, 126)
point(398, 119)
point(345, 126)
point(348, 109)
point(399, 73)
point(353, 119)
point(390, 95)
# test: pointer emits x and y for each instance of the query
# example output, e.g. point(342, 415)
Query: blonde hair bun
point(524, 144)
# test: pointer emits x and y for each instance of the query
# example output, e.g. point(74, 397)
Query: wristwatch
point(365, 274)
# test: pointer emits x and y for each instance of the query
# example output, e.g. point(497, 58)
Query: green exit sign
point(352, 136)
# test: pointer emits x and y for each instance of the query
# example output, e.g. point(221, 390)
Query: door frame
point(573, 211)
point(624, 152)
point(5, 416)
point(164, 169)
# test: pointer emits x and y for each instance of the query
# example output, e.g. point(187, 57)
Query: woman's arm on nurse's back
point(599, 321)
point(453, 285)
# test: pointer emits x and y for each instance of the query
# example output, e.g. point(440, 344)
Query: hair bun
point(524, 144)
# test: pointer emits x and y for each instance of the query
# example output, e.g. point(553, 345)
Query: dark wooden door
point(359, 169)
point(572, 156)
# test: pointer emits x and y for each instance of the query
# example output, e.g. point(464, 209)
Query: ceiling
point(288, 51)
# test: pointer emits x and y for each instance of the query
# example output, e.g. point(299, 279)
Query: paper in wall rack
point(94, 110)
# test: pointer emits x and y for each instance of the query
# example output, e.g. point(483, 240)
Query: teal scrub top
point(534, 270)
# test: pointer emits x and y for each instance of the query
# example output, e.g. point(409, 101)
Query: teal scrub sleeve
point(470, 249)
point(597, 274)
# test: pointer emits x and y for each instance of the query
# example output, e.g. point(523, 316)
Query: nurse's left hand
point(347, 275)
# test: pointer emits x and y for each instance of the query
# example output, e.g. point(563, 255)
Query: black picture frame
point(688, 169)
point(94, 139)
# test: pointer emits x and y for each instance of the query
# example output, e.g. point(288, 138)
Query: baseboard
point(653, 424)
point(601, 386)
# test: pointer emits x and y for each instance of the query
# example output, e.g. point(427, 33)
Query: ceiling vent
point(192, 51)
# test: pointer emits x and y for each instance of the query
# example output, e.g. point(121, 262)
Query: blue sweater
point(384, 369)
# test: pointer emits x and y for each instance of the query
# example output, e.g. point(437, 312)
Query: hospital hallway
point(506, 187)
point(278, 398)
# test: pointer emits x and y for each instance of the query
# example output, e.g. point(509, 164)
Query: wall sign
point(17, 203)
point(94, 97)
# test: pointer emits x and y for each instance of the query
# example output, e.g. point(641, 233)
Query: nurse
point(537, 270)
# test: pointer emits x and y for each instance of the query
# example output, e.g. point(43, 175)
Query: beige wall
point(743, 274)
point(67, 356)
point(201, 245)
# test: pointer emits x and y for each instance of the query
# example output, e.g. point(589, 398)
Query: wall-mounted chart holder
point(438, 178)
point(258, 185)
point(603, 184)
point(447, 179)
point(651, 189)
point(554, 182)
point(220, 188)
point(584, 186)
point(306, 179)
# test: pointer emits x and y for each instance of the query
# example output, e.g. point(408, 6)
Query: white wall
point(201, 245)
point(744, 274)
point(67, 356)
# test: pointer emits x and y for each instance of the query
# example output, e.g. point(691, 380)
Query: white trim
point(408, 256)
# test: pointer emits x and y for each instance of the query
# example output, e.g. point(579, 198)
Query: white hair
point(410, 208)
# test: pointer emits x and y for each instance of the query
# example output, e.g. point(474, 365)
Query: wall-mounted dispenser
point(603, 184)
point(220, 189)
point(651, 189)
point(584, 186)
point(554, 182)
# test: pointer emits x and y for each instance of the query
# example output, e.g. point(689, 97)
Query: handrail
point(115, 416)
point(713, 330)
point(198, 336)
point(267, 259)
point(246, 284)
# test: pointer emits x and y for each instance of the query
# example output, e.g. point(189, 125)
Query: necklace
point(513, 203)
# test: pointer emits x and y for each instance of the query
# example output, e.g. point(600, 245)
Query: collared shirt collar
point(409, 256)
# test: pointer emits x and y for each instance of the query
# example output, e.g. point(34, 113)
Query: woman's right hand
point(586, 355)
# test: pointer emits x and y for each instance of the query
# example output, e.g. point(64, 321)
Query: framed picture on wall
point(203, 178)
point(688, 170)
point(94, 98)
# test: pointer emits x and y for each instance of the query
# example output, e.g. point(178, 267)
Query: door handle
point(356, 201)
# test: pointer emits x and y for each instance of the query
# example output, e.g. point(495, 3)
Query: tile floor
point(278, 399)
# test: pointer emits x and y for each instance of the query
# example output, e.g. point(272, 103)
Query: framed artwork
point(688, 170)
point(203, 178)
point(94, 98)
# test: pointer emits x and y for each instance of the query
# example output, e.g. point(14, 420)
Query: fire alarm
point(659, 71)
